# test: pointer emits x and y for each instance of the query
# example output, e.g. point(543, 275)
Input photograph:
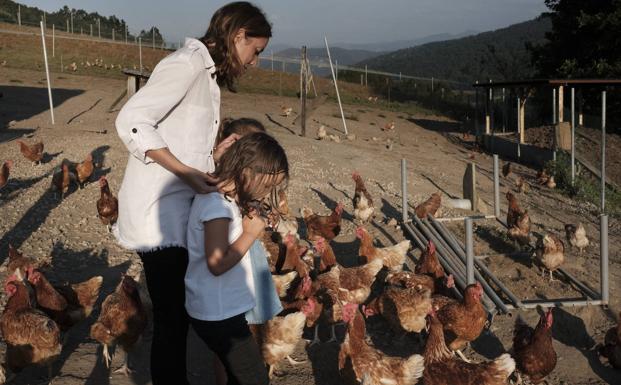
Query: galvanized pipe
point(573, 138)
point(491, 299)
point(404, 191)
point(560, 302)
point(469, 252)
point(496, 188)
point(603, 264)
point(603, 204)
point(447, 252)
point(459, 274)
point(413, 232)
point(459, 249)
point(489, 291)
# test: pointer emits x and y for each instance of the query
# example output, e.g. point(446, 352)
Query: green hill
point(500, 55)
point(82, 21)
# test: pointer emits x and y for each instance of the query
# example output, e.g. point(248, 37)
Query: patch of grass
point(362, 111)
point(15, 81)
point(381, 115)
point(586, 188)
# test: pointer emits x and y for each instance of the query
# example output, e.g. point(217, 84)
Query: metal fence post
point(404, 191)
point(469, 252)
point(573, 137)
point(496, 188)
point(603, 230)
point(603, 204)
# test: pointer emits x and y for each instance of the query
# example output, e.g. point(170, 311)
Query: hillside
point(499, 54)
point(82, 21)
point(342, 55)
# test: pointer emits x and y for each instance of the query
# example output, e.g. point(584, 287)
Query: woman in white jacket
point(169, 128)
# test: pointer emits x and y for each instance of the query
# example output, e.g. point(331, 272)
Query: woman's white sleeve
point(137, 122)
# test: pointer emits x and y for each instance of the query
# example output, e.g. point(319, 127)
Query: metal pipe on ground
point(410, 229)
point(560, 302)
point(458, 271)
point(459, 250)
point(490, 299)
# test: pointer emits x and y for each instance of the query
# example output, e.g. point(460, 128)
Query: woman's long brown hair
point(220, 37)
point(253, 155)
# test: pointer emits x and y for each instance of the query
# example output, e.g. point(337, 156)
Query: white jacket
point(178, 108)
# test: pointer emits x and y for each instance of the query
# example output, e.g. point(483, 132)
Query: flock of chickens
point(315, 290)
point(38, 313)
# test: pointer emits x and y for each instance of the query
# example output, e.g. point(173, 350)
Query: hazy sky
point(298, 22)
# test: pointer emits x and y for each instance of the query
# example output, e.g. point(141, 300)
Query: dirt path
point(39, 224)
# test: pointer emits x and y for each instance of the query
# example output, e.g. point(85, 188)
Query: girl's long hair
point(220, 37)
point(253, 155)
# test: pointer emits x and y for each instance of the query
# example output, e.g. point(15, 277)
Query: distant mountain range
point(351, 53)
point(498, 55)
point(400, 44)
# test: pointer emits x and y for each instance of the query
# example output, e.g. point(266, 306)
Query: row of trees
point(82, 21)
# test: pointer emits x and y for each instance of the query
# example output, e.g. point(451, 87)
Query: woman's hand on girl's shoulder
point(253, 224)
point(201, 182)
point(223, 146)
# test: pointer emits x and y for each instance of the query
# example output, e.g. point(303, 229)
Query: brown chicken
point(393, 257)
point(33, 153)
point(293, 257)
point(611, 348)
point(363, 203)
point(282, 334)
point(363, 363)
point(107, 204)
point(429, 264)
point(326, 226)
point(532, 348)
point(327, 259)
point(429, 207)
point(464, 321)
point(407, 280)
point(31, 336)
point(283, 203)
point(520, 232)
point(442, 368)
point(550, 253)
point(576, 236)
point(404, 309)
point(282, 283)
point(4, 172)
point(522, 185)
point(542, 177)
point(122, 320)
point(513, 211)
point(17, 260)
point(66, 304)
point(62, 179)
point(84, 170)
point(506, 169)
point(355, 282)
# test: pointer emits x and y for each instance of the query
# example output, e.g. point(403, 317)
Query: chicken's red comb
point(355, 174)
point(320, 244)
point(360, 232)
point(431, 247)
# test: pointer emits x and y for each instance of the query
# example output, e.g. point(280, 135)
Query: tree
point(585, 40)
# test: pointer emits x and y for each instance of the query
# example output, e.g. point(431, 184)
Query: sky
point(305, 22)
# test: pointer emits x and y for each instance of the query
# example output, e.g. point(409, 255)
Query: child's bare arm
point(222, 256)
